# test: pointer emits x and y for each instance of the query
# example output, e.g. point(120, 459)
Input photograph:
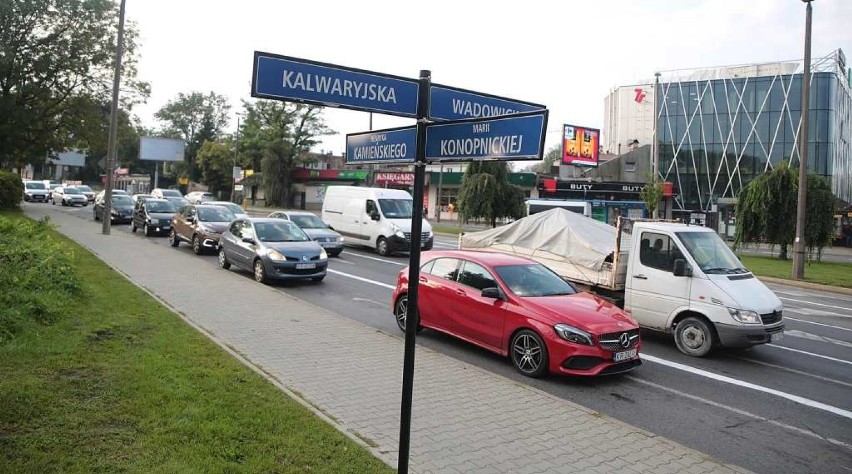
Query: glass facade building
point(719, 128)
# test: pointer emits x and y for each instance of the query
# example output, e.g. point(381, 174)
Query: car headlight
point(323, 255)
point(113, 211)
point(745, 317)
point(276, 256)
point(431, 234)
point(572, 334)
point(340, 239)
point(399, 234)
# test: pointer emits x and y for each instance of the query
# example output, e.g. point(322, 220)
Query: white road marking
point(815, 337)
point(810, 354)
point(802, 294)
point(340, 260)
point(351, 254)
point(817, 324)
point(365, 280)
point(741, 383)
point(368, 300)
point(799, 372)
point(817, 304)
point(785, 426)
point(813, 312)
point(446, 246)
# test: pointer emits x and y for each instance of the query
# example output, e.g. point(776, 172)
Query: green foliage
point(11, 190)
point(216, 161)
point(196, 117)
point(652, 193)
point(486, 193)
point(766, 210)
point(35, 274)
point(554, 155)
point(275, 138)
point(57, 58)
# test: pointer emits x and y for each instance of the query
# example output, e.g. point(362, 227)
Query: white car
point(35, 191)
point(68, 196)
point(163, 193)
point(198, 197)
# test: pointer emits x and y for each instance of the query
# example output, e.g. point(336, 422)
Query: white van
point(376, 217)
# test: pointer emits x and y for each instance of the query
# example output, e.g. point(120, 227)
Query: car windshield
point(396, 208)
point(711, 254)
point(171, 192)
point(236, 209)
point(122, 200)
point(35, 186)
point(308, 221)
point(72, 191)
point(533, 280)
point(283, 231)
point(84, 189)
point(215, 214)
point(160, 206)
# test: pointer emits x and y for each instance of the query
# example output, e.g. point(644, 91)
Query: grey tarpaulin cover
point(554, 235)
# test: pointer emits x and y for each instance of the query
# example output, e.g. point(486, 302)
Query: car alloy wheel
point(529, 354)
point(259, 271)
point(173, 239)
point(133, 226)
point(196, 245)
point(146, 230)
point(400, 312)
point(223, 260)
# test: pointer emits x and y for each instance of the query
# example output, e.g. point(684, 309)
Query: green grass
point(121, 384)
point(446, 229)
point(826, 273)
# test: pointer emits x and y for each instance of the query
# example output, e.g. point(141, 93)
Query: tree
point(56, 56)
point(196, 117)
point(766, 210)
point(554, 155)
point(277, 136)
point(216, 160)
point(486, 193)
point(652, 193)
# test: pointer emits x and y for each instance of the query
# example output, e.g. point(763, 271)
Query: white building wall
point(628, 116)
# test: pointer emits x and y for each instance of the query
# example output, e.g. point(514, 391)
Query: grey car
point(316, 229)
point(272, 249)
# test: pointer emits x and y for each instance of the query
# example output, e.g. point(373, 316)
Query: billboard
point(161, 149)
point(580, 145)
point(69, 158)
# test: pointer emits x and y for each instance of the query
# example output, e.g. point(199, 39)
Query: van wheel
point(694, 337)
point(382, 247)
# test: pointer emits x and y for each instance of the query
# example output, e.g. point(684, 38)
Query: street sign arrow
point(301, 80)
point(452, 103)
point(510, 138)
point(392, 145)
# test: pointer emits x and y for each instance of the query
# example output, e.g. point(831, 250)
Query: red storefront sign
point(394, 178)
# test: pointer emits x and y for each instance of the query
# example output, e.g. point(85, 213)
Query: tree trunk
point(782, 254)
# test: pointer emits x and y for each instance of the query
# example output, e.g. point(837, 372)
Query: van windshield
point(710, 253)
point(396, 208)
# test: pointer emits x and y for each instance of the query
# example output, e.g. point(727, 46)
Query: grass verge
point(825, 273)
point(118, 383)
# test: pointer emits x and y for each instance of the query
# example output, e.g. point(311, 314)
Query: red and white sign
point(394, 178)
point(122, 171)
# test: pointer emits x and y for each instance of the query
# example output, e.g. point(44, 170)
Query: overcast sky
point(567, 54)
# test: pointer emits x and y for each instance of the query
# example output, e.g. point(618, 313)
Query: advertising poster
point(580, 145)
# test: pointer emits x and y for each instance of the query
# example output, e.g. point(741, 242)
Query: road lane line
point(376, 259)
point(810, 354)
point(742, 383)
point(340, 260)
point(817, 304)
point(741, 412)
point(365, 280)
point(813, 312)
point(817, 324)
point(799, 372)
point(815, 337)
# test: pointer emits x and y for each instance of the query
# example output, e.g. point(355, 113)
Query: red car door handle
point(461, 293)
point(423, 280)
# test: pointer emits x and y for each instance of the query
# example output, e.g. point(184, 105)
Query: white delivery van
point(675, 278)
point(375, 217)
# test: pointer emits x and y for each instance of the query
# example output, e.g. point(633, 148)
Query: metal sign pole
point(412, 316)
point(113, 125)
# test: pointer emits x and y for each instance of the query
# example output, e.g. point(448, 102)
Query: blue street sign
point(452, 103)
point(311, 82)
point(393, 145)
point(516, 137)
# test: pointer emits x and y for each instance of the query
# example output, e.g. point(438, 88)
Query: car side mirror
point(492, 292)
point(190, 219)
point(374, 215)
point(681, 269)
point(248, 240)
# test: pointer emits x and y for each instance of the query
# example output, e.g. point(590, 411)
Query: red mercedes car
point(521, 309)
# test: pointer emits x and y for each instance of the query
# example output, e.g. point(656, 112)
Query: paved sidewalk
point(465, 419)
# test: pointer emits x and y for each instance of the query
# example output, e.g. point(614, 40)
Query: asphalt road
point(784, 407)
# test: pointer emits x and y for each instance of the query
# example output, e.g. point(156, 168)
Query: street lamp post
point(113, 124)
point(236, 153)
point(801, 205)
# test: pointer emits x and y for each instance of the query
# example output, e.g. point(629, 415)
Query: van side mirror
point(681, 269)
point(374, 215)
point(492, 292)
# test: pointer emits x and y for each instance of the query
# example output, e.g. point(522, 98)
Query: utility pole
point(655, 147)
point(236, 153)
point(801, 205)
point(113, 124)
